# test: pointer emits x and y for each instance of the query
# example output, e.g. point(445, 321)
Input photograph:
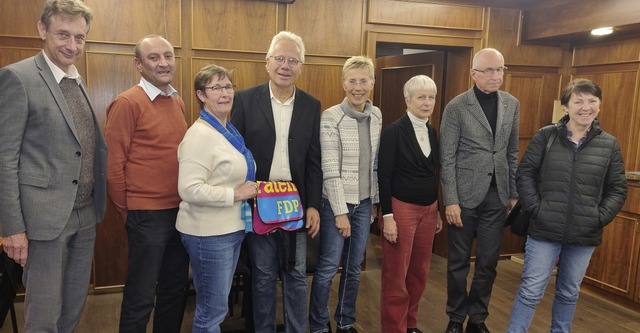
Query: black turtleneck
point(489, 104)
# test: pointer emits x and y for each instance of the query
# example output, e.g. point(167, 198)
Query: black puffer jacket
point(575, 192)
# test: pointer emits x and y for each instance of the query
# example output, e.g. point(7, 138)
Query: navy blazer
point(252, 115)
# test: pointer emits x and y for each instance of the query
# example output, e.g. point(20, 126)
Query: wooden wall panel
point(617, 112)
point(607, 53)
point(323, 81)
point(24, 17)
point(9, 55)
point(239, 25)
point(110, 253)
point(504, 34)
point(613, 265)
point(330, 28)
point(536, 93)
point(423, 14)
point(125, 21)
point(109, 74)
point(527, 90)
point(245, 74)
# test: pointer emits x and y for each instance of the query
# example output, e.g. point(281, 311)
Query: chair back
point(10, 277)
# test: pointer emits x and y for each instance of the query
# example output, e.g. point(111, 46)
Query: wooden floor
point(593, 315)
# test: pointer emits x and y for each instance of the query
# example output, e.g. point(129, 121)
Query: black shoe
point(454, 327)
point(477, 328)
point(413, 330)
point(346, 330)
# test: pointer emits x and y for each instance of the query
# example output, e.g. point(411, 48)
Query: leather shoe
point(477, 328)
point(454, 327)
point(413, 330)
point(346, 330)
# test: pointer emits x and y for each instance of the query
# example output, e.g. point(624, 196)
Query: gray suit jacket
point(469, 155)
point(39, 153)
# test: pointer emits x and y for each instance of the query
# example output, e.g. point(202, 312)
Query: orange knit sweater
point(142, 140)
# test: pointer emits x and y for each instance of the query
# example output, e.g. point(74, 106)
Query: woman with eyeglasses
point(408, 166)
point(349, 137)
point(216, 177)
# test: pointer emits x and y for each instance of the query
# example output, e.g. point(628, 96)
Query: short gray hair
point(287, 35)
point(419, 82)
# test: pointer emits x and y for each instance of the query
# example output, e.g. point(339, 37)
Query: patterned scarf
point(237, 141)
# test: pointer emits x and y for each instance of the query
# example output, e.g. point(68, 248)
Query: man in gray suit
point(52, 170)
point(479, 151)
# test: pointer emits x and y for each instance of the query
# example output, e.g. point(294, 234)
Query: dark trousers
point(158, 270)
point(486, 223)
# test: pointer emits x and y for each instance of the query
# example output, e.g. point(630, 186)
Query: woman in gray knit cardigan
point(349, 138)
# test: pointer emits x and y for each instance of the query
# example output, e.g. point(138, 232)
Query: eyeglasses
point(491, 71)
point(293, 62)
point(64, 36)
point(355, 83)
point(218, 89)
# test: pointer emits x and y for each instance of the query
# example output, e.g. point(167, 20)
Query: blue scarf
point(237, 141)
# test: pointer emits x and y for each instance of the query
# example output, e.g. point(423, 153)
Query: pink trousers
point(405, 265)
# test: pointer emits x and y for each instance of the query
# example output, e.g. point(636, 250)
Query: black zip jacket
point(572, 193)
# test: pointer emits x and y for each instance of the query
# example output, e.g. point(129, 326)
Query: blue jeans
point(540, 258)
point(265, 267)
point(213, 263)
point(334, 247)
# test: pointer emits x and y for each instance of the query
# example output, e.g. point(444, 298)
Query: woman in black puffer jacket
point(572, 191)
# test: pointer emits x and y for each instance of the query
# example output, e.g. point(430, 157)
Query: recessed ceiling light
point(602, 31)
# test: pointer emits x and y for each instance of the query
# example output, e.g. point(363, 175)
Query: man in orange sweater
point(145, 124)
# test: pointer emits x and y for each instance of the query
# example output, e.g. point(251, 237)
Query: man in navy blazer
point(479, 151)
point(281, 124)
point(52, 170)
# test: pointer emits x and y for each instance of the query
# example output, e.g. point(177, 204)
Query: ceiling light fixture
point(602, 31)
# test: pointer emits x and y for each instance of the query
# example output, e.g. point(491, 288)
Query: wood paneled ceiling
point(513, 4)
point(568, 21)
